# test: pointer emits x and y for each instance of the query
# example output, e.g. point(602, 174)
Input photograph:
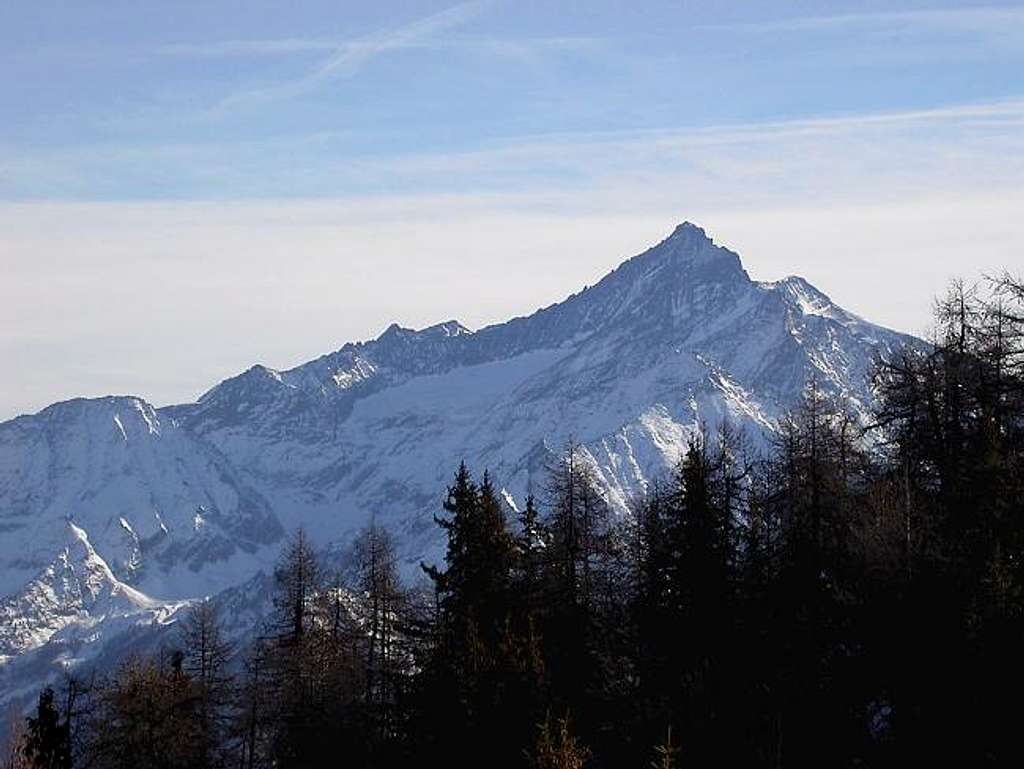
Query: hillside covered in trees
point(853, 598)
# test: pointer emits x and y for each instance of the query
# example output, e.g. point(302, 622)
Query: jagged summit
point(686, 257)
point(395, 330)
point(688, 231)
point(693, 255)
point(684, 279)
point(657, 284)
point(448, 328)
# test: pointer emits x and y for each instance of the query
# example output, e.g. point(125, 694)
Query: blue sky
point(158, 161)
point(183, 100)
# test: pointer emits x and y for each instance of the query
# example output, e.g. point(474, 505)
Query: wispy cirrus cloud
point(994, 19)
point(290, 46)
point(860, 155)
point(269, 47)
point(347, 58)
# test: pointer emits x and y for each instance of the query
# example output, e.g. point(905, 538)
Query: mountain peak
point(392, 331)
point(688, 239)
point(689, 230)
point(688, 254)
point(448, 328)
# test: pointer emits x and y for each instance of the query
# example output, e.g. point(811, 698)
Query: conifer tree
point(531, 544)
point(476, 663)
point(252, 727)
point(581, 622)
point(381, 610)
point(690, 634)
point(296, 676)
point(144, 717)
point(47, 742)
point(950, 419)
point(206, 657)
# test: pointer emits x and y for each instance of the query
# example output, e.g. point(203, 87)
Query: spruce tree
point(475, 664)
point(581, 622)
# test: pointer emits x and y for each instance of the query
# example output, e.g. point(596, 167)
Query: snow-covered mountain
point(77, 588)
point(71, 612)
point(193, 499)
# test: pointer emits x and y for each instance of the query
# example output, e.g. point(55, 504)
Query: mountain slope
point(78, 585)
point(75, 610)
point(191, 499)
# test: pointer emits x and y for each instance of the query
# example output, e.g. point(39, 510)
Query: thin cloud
point(892, 154)
point(227, 48)
point(588, 152)
point(291, 46)
point(349, 57)
point(996, 20)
